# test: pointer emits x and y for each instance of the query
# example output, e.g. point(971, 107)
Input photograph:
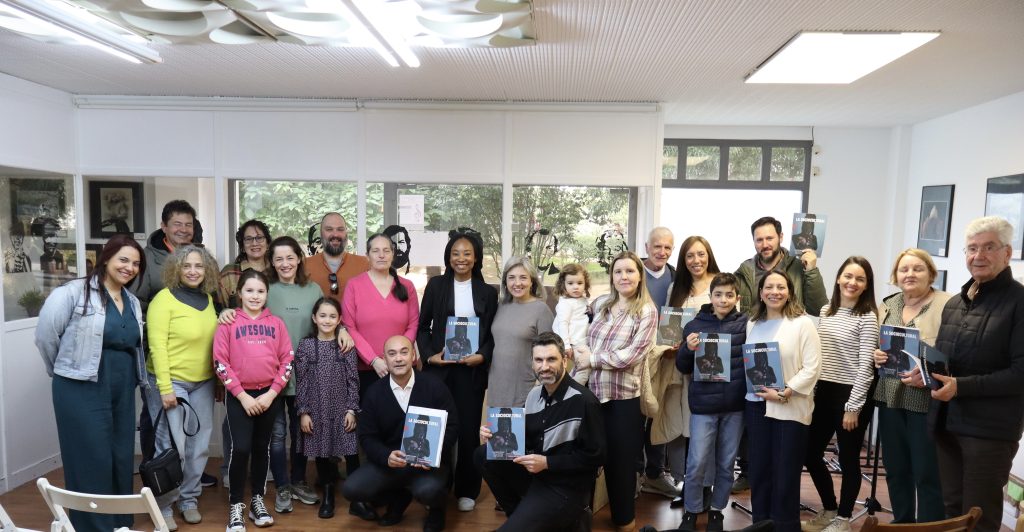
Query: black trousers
point(654, 463)
point(829, 403)
point(973, 472)
point(776, 462)
point(623, 425)
point(530, 503)
point(373, 483)
point(250, 442)
point(469, 399)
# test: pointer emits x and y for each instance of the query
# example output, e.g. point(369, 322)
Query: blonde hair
point(640, 300)
point(921, 254)
point(572, 269)
point(174, 264)
point(536, 288)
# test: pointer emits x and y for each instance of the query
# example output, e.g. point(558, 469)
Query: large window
point(763, 164)
point(557, 225)
point(38, 217)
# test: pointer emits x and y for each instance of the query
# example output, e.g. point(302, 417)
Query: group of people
point(330, 352)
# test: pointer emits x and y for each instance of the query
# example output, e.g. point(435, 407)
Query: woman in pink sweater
point(253, 358)
point(377, 305)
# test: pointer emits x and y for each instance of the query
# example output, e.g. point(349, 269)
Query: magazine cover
point(763, 366)
point(670, 324)
point(808, 233)
point(934, 361)
point(508, 429)
point(461, 337)
point(712, 360)
point(424, 435)
point(894, 341)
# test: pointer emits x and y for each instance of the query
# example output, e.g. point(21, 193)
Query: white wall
point(38, 133)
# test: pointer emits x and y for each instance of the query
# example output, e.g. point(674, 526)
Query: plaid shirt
point(617, 347)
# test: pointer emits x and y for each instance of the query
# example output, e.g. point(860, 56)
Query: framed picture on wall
point(36, 200)
point(940, 280)
point(1004, 197)
point(116, 207)
point(936, 215)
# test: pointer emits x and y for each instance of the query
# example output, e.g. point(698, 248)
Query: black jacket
point(984, 340)
point(382, 420)
point(716, 397)
point(438, 304)
point(567, 427)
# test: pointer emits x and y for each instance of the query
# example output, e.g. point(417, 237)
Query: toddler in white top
point(571, 319)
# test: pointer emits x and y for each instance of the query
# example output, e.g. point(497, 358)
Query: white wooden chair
point(60, 499)
point(6, 525)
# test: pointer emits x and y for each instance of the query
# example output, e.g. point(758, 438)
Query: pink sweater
point(372, 319)
point(251, 354)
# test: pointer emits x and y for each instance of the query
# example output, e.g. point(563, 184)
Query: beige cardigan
point(927, 324)
point(663, 396)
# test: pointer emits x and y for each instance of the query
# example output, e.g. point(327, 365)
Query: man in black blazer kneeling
point(388, 477)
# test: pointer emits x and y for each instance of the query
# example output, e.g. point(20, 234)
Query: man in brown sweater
point(333, 267)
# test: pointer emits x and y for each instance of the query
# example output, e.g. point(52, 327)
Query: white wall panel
point(38, 127)
point(143, 142)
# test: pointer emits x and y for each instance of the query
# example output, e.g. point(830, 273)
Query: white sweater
point(800, 354)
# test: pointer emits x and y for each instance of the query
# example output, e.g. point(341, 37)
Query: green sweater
point(180, 341)
point(293, 303)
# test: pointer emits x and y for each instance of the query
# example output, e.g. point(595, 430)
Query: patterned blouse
point(618, 344)
point(890, 391)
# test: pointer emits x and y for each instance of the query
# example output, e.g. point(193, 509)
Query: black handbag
point(162, 473)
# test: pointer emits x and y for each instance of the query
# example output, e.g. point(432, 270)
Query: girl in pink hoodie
point(253, 358)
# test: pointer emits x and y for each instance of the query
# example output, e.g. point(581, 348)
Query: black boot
point(327, 505)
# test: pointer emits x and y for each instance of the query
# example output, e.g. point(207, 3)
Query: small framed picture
point(1004, 196)
point(115, 207)
point(940, 280)
point(936, 215)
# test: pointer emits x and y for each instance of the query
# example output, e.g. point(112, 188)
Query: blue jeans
point(194, 450)
point(713, 438)
point(279, 455)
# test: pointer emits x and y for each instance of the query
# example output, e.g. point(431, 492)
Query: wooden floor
point(26, 508)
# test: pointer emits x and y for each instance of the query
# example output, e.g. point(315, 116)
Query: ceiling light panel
point(836, 57)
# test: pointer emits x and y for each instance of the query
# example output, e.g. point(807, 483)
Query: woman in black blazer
point(460, 291)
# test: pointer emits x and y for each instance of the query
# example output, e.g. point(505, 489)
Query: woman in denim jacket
point(90, 337)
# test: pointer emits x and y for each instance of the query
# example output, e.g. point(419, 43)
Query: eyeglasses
point(986, 248)
point(333, 278)
point(254, 239)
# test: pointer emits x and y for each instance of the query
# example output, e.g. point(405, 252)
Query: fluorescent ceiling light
point(84, 27)
point(836, 57)
point(386, 25)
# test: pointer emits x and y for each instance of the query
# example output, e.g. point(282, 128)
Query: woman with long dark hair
point(848, 329)
point(253, 239)
point(460, 291)
point(90, 337)
point(695, 269)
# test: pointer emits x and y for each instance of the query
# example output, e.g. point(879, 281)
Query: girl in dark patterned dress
point(327, 399)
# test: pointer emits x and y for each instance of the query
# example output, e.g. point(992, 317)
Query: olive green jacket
point(808, 287)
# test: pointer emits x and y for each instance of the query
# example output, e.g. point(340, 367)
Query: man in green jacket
point(808, 287)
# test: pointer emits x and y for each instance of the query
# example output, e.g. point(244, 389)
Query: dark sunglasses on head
point(333, 278)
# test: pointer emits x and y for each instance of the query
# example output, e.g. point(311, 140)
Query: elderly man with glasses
point(333, 267)
point(977, 415)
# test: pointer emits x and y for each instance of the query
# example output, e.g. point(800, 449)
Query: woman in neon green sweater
point(180, 325)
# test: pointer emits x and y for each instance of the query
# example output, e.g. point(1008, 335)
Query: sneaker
point(839, 524)
point(235, 521)
point(663, 484)
point(192, 516)
point(207, 481)
point(258, 512)
point(171, 525)
point(716, 521)
point(740, 485)
point(283, 500)
point(820, 521)
point(304, 494)
point(689, 523)
point(466, 504)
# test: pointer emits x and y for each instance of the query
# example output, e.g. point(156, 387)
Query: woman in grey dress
point(522, 315)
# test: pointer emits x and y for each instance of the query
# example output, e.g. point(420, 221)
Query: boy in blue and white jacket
point(716, 421)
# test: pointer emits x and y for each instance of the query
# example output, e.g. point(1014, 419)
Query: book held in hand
point(808, 233)
point(713, 358)
point(423, 435)
point(508, 433)
point(670, 324)
point(762, 363)
point(934, 361)
point(897, 342)
point(461, 337)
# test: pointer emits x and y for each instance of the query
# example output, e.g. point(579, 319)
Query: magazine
point(461, 337)
point(808, 233)
point(670, 324)
point(896, 342)
point(713, 357)
point(508, 433)
point(423, 436)
point(762, 363)
point(934, 361)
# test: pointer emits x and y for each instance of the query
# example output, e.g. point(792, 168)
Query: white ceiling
point(689, 55)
